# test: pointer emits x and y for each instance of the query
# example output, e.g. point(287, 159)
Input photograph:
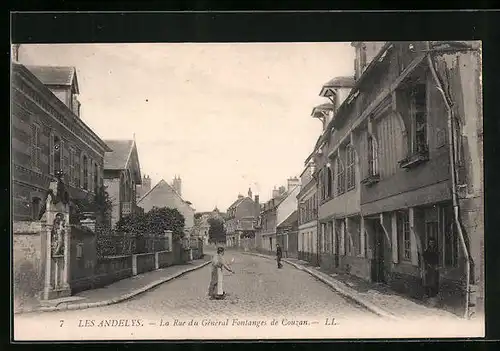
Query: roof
point(340, 82)
point(118, 158)
point(322, 107)
point(289, 221)
point(60, 106)
point(55, 75)
point(162, 182)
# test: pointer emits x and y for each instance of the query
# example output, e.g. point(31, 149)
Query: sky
point(224, 117)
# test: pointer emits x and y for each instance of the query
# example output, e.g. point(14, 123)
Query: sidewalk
point(119, 291)
point(377, 298)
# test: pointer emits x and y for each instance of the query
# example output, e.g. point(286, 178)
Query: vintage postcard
point(327, 190)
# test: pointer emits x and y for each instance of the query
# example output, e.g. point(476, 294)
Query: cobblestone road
point(257, 291)
point(257, 288)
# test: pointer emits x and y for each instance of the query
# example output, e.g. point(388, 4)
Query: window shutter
point(342, 238)
point(413, 237)
point(62, 159)
point(395, 242)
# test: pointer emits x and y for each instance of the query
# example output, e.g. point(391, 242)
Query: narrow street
point(257, 290)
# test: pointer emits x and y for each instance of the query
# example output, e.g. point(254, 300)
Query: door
point(271, 244)
point(378, 263)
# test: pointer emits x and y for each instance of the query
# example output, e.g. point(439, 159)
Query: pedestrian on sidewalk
point(431, 273)
point(216, 290)
point(279, 255)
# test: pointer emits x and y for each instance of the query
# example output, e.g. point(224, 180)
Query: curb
point(344, 292)
point(126, 296)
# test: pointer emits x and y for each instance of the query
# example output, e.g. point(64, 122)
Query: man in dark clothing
point(279, 255)
point(431, 264)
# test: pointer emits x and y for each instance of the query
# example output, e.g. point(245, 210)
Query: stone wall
point(143, 263)
point(28, 255)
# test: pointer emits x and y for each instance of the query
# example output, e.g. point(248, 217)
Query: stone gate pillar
point(57, 232)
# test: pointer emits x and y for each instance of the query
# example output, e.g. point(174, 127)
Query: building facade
point(287, 235)
point(164, 195)
point(122, 172)
point(240, 219)
point(274, 212)
point(307, 200)
point(48, 136)
point(400, 154)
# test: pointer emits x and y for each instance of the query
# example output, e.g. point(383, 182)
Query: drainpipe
point(452, 153)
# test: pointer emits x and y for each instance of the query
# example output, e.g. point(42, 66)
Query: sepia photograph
point(229, 191)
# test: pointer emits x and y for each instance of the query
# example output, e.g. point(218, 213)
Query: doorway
point(378, 262)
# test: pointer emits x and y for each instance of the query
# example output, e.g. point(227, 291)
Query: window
point(449, 237)
point(35, 146)
point(85, 172)
point(329, 182)
point(35, 208)
point(340, 177)
point(72, 165)
point(351, 170)
point(322, 185)
point(96, 178)
point(76, 175)
point(418, 116)
point(372, 156)
point(403, 227)
point(56, 160)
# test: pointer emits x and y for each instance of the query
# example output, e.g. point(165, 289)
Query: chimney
point(177, 185)
point(292, 183)
point(257, 205)
point(75, 104)
point(249, 192)
point(281, 190)
point(240, 196)
point(276, 193)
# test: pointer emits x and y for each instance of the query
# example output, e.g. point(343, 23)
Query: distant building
point(308, 217)
point(274, 212)
point(240, 219)
point(122, 172)
point(143, 188)
point(164, 195)
point(49, 136)
point(202, 223)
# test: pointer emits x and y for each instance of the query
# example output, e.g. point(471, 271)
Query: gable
point(134, 166)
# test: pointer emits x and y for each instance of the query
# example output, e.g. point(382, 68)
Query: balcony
point(371, 179)
point(415, 158)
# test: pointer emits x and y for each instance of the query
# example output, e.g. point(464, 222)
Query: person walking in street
point(279, 255)
point(431, 273)
point(216, 290)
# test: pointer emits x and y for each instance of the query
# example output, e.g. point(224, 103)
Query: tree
point(154, 222)
point(216, 232)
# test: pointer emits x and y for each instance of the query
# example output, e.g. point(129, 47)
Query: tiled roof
point(117, 159)
point(54, 75)
point(340, 82)
point(236, 203)
point(290, 219)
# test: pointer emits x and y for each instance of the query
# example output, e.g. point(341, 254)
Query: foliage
point(216, 232)
point(197, 215)
point(154, 222)
point(100, 204)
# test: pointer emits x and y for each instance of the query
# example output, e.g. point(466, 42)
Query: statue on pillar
point(58, 233)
